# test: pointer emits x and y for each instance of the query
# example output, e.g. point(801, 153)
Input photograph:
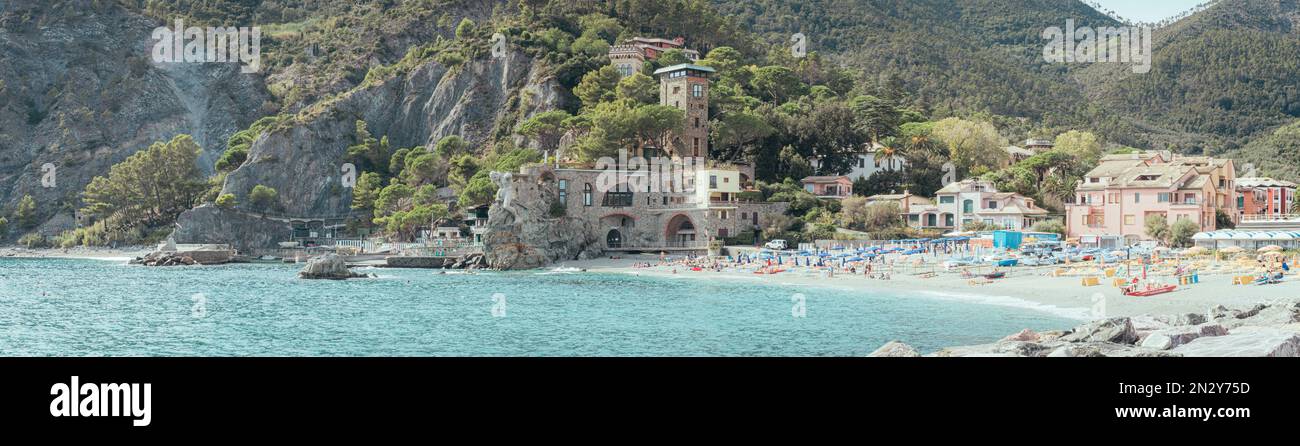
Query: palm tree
point(889, 150)
point(1295, 206)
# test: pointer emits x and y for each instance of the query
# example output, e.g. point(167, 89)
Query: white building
point(972, 200)
point(865, 165)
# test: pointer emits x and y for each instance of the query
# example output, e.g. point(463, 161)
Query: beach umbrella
point(1270, 248)
point(1196, 251)
point(1233, 250)
point(1273, 254)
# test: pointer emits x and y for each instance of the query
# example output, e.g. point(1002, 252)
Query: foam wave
point(1008, 301)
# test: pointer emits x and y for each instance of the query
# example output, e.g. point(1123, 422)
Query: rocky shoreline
point(1264, 330)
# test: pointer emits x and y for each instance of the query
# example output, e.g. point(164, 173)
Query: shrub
point(33, 240)
point(226, 201)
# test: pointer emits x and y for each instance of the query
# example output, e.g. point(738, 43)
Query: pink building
point(1113, 201)
point(834, 187)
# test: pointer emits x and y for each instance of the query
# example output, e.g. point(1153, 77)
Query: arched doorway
point(614, 239)
point(680, 231)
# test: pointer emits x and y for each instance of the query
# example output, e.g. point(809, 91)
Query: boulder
point(164, 258)
point(1118, 330)
point(1173, 337)
point(1081, 351)
point(1247, 341)
point(1277, 314)
point(1025, 335)
point(895, 349)
point(328, 266)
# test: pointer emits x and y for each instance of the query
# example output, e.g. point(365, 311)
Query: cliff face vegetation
point(78, 91)
point(302, 159)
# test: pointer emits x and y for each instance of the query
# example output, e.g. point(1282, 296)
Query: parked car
point(777, 244)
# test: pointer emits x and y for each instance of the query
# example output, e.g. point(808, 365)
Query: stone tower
point(686, 87)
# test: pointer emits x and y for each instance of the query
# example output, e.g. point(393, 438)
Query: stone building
point(630, 56)
point(686, 87)
point(545, 214)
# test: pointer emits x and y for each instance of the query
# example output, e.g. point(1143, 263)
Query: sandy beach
point(1026, 287)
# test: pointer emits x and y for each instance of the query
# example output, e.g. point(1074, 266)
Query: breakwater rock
point(328, 266)
point(1268, 329)
point(164, 258)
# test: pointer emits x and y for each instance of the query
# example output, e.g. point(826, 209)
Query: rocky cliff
point(522, 233)
point(302, 160)
point(79, 90)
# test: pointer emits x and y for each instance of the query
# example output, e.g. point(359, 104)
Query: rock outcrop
point(1267, 329)
point(164, 258)
point(241, 230)
point(328, 266)
point(522, 233)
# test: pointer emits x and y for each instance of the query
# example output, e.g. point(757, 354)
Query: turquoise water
point(63, 307)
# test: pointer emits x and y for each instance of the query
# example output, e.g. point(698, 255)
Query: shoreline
point(80, 252)
point(1024, 287)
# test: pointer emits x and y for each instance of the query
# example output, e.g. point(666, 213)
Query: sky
point(1148, 10)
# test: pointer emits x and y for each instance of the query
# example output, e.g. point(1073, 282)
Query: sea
point(79, 307)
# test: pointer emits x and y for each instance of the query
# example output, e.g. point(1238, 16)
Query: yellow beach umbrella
point(1270, 248)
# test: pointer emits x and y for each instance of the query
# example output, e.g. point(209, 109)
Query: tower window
point(697, 90)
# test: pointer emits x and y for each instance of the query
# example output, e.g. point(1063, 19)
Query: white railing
point(1271, 217)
